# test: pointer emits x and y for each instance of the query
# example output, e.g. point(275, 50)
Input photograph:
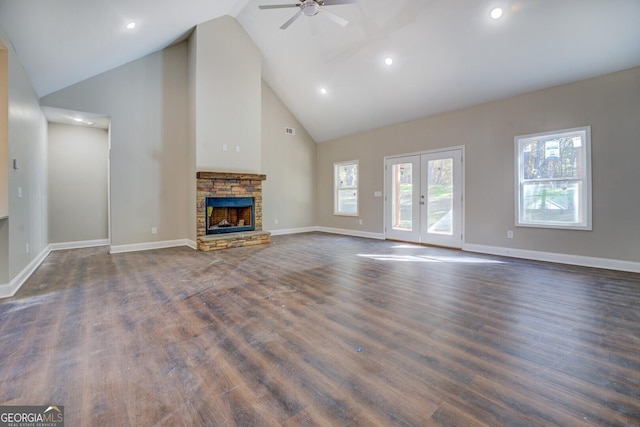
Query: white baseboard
point(343, 231)
point(79, 244)
point(117, 249)
point(292, 231)
point(585, 261)
point(355, 233)
point(10, 289)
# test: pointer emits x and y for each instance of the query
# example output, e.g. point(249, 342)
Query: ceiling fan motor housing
point(310, 7)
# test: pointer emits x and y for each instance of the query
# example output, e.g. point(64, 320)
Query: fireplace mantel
point(229, 175)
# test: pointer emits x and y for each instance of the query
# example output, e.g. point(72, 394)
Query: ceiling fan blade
point(335, 2)
point(279, 6)
point(313, 27)
point(290, 21)
point(335, 18)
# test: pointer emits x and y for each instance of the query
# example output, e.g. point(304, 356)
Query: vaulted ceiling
point(447, 54)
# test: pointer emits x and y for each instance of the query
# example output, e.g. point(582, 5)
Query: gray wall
point(227, 73)
point(610, 104)
point(77, 178)
point(27, 136)
point(289, 161)
point(4, 124)
point(147, 102)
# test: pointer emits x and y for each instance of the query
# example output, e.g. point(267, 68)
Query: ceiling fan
point(312, 8)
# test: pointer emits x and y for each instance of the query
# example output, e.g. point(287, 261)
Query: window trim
point(586, 180)
point(336, 166)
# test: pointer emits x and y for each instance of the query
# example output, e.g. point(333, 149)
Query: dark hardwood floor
point(319, 329)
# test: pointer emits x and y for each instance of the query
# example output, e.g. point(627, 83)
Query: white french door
point(423, 198)
point(402, 198)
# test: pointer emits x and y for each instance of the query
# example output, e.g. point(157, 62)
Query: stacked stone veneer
point(222, 184)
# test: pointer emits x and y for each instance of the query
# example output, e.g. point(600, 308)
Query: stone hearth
point(223, 184)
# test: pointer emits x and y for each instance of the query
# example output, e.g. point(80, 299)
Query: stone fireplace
point(229, 210)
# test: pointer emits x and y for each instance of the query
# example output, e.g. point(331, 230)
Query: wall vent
point(290, 131)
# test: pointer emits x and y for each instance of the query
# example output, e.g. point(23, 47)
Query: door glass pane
point(402, 196)
point(440, 196)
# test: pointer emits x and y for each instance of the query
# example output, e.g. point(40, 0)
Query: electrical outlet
point(276, 221)
point(154, 230)
point(27, 248)
point(360, 222)
point(510, 234)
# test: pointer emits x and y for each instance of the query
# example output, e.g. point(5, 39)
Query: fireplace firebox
point(229, 214)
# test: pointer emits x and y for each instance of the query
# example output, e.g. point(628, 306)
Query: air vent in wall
point(290, 131)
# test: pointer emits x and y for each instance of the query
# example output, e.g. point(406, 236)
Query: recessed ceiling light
point(496, 13)
point(323, 90)
point(131, 25)
point(77, 119)
point(388, 61)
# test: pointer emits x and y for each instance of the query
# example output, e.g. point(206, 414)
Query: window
point(554, 179)
point(346, 188)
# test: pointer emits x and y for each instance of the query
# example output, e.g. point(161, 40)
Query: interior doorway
point(424, 197)
point(78, 178)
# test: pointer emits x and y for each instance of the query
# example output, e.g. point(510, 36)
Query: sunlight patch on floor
point(429, 258)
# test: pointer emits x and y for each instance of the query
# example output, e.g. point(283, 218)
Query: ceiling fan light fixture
point(310, 8)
